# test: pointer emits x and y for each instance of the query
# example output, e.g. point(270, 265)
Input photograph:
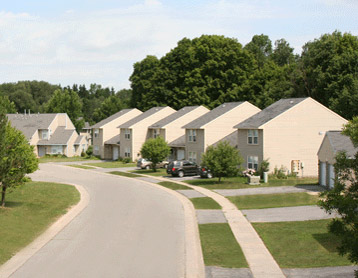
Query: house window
point(96, 133)
point(127, 133)
point(45, 134)
point(83, 147)
point(156, 133)
point(127, 152)
point(253, 162)
point(56, 150)
point(192, 135)
point(192, 156)
point(253, 136)
point(96, 150)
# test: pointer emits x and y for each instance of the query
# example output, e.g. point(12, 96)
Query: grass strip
point(81, 166)
point(301, 244)
point(46, 159)
point(220, 247)
point(158, 172)
point(173, 185)
point(111, 164)
point(125, 174)
point(205, 203)
point(273, 200)
point(29, 211)
point(241, 182)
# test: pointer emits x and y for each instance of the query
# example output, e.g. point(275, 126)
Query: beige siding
point(70, 145)
point(246, 149)
point(198, 146)
point(297, 135)
point(125, 143)
point(99, 142)
point(325, 152)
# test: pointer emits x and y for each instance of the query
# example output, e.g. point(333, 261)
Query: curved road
point(129, 229)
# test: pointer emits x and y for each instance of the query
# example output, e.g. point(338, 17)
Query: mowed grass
point(29, 210)
point(301, 244)
point(125, 174)
point(241, 182)
point(111, 164)
point(159, 172)
point(81, 166)
point(205, 203)
point(45, 159)
point(273, 200)
point(173, 185)
point(219, 246)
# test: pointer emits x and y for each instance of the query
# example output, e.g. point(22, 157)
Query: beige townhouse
point(135, 132)
point(214, 126)
point(288, 134)
point(50, 133)
point(333, 143)
point(170, 128)
point(105, 134)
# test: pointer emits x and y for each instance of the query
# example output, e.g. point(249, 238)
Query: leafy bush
point(126, 160)
point(264, 167)
point(89, 151)
point(280, 173)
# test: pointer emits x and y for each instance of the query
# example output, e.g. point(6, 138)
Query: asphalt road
point(129, 229)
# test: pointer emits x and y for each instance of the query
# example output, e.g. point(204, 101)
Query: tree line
point(210, 70)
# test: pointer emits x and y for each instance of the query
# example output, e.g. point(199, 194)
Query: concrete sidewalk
point(259, 259)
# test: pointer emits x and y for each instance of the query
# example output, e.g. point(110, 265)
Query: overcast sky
point(98, 41)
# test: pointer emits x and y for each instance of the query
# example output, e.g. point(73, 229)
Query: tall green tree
point(17, 157)
point(223, 160)
point(109, 106)
point(155, 150)
point(67, 101)
point(330, 72)
point(6, 105)
point(343, 198)
point(261, 47)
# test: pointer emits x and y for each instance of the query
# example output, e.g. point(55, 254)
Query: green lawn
point(220, 247)
point(301, 244)
point(125, 174)
point(159, 172)
point(111, 164)
point(173, 185)
point(29, 210)
point(45, 159)
point(81, 166)
point(241, 182)
point(205, 203)
point(273, 200)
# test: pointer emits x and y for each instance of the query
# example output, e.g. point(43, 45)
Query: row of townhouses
point(288, 133)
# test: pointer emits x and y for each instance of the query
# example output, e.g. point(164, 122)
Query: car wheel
point(210, 175)
point(180, 174)
point(147, 167)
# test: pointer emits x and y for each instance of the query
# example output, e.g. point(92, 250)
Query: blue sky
point(98, 41)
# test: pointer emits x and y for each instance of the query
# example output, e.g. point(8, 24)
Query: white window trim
point(192, 135)
point(127, 152)
point(192, 156)
point(96, 133)
point(252, 133)
point(251, 160)
point(127, 134)
point(47, 137)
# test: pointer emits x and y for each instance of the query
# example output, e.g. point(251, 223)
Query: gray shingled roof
point(59, 137)
point(269, 113)
point(340, 142)
point(113, 141)
point(173, 116)
point(29, 124)
point(179, 142)
point(213, 114)
point(141, 117)
point(78, 140)
point(111, 118)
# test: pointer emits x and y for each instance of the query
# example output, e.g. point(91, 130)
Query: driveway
point(129, 229)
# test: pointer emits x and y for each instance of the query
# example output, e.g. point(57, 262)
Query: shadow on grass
point(311, 187)
point(12, 204)
point(329, 241)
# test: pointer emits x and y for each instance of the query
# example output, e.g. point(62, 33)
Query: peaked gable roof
point(111, 118)
point(141, 117)
point(29, 124)
point(341, 142)
point(269, 113)
point(185, 110)
point(213, 114)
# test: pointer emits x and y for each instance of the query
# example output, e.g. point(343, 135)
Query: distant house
point(170, 128)
point(50, 133)
point(105, 134)
point(135, 132)
point(214, 126)
point(333, 143)
point(288, 133)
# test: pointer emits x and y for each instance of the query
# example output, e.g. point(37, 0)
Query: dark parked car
point(205, 172)
point(182, 168)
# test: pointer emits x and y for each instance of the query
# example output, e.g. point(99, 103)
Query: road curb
point(24, 254)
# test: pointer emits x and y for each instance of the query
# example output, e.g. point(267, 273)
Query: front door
point(322, 173)
point(42, 151)
point(115, 153)
point(180, 154)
